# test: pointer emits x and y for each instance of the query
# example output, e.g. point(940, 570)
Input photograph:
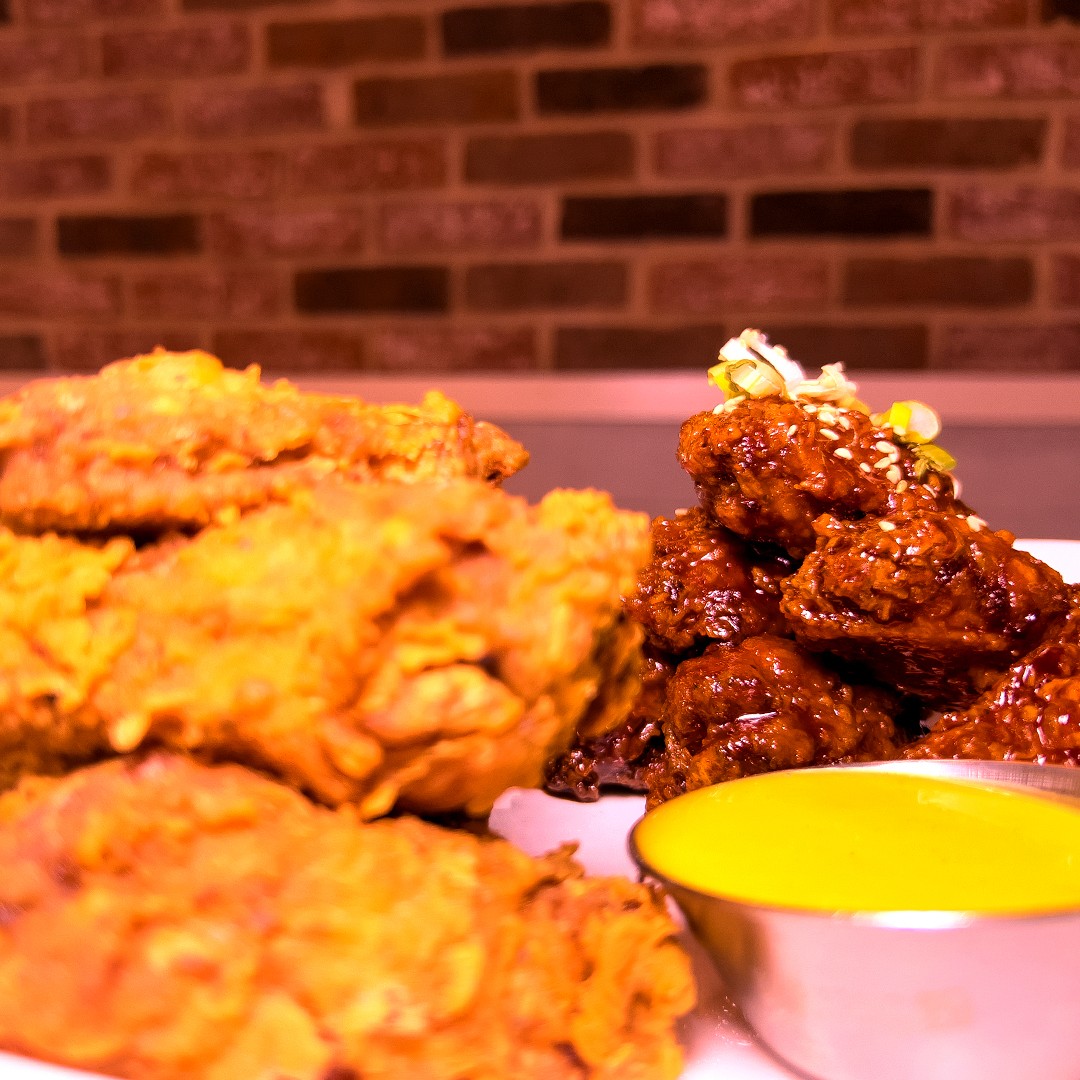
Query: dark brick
point(476, 97)
point(885, 212)
point(5, 12)
point(945, 279)
point(328, 43)
point(1060, 9)
point(862, 347)
point(533, 286)
point(580, 348)
point(525, 27)
point(658, 86)
point(233, 5)
point(255, 110)
point(547, 159)
point(1065, 280)
point(947, 143)
point(18, 236)
point(374, 288)
point(636, 217)
point(166, 234)
point(290, 350)
point(7, 123)
point(21, 352)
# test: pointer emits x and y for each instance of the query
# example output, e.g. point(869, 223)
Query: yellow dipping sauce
point(849, 840)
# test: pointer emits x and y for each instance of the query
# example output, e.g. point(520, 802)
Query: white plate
point(718, 1044)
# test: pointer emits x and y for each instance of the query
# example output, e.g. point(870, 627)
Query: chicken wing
point(934, 604)
point(760, 705)
point(168, 920)
point(766, 468)
point(421, 645)
point(175, 440)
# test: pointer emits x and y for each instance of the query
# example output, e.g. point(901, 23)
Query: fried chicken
point(703, 585)
point(175, 440)
point(420, 645)
point(934, 604)
point(760, 705)
point(165, 919)
point(767, 468)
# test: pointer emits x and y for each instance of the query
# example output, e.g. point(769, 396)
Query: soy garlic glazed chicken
point(828, 596)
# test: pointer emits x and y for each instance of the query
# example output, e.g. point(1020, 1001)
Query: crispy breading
point(766, 469)
point(421, 645)
point(175, 440)
point(934, 604)
point(760, 705)
point(166, 919)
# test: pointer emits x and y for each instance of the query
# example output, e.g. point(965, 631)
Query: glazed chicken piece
point(767, 468)
point(932, 603)
point(168, 920)
point(760, 705)
point(704, 585)
point(176, 440)
point(415, 645)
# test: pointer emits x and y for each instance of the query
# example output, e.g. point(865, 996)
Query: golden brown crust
point(423, 645)
point(165, 920)
point(175, 440)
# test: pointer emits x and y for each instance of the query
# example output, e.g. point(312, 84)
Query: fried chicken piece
point(934, 604)
point(420, 645)
point(617, 758)
point(761, 705)
point(703, 585)
point(175, 440)
point(166, 919)
point(767, 468)
point(1032, 713)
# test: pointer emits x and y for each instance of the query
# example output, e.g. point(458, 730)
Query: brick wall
point(408, 185)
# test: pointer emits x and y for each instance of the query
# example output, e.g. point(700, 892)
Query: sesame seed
point(865, 467)
point(843, 452)
point(721, 408)
point(844, 422)
point(682, 511)
point(884, 447)
point(830, 434)
point(893, 475)
point(882, 463)
point(886, 526)
point(901, 487)
point(811, 409)
point(791, 430)
point(974, 523)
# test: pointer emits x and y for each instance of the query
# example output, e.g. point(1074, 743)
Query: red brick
point(460, 225)
point(474, 97)
point(909, 16)
point(1065, 280)
point(242, 174)
point(409, 349)
point(41, 58)
point(1015, 213)
point(1011, 348)
point(38, 178)
point(752, 150)
point(56, 12)
point(1012, 69)
point(1071, 148)
point(947, 143)
point(255, 110)
point(284, 351)
point(713, 286)
point(7, 123)
point(21, 352)
point(865, 348)
point(835, 78)
point(581, 348)
point(721, 22)
point(972, 281)
point(330, 43)
point(217, 49)
point(205, 293)
point(550, 158)
point(233, 5)
point(369, 165)
point(46, 293)
point(266, 231)
point(87, 350)
point(18, 236)
point(116, 117)
point(536, 286)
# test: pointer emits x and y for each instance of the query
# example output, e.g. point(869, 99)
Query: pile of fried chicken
point(830, 600)
point(238, 624)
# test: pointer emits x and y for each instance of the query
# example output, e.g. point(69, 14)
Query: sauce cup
point(923, 994)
